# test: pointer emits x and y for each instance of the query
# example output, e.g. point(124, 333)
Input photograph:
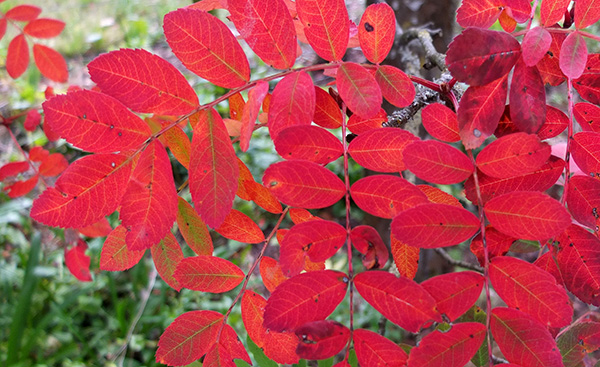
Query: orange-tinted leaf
point(115, 255)
point(321, 339)
point(453, 348)
point(206, 46)
point(193, 229)
point(267, 28)
point(530, 289)
point(311, 143)
point(213, 169)
point(376, 31)
point(583, 199)
point(149, 206)
point(478, 13)
point(527, 215)
point(386, 196)
point(44, 28)
point(327, 112)
point(262, 197)
point(52, 64)
point(359, 89)
point(326, 26)
point(239, 227)
point(437, 196)
point(236, 106)
point(78, 262)
point(524, 340)
point(88, 190)
point(585, 148)
point(381, 149)
point(480, 110)
point(232, 344)
point(53, 165)
point(23, 13)
point(573, 55)
point(535, 45)
point(293, 103)
point(373, 349)
point(513, 155)
point(304, 184)
point(244, 177)
point(21, 188)
point(405, 257)
point(208, 274)
point(358, 125)
point(527, 98)
point(95, 122)
point(437, 162)
point(434, 225)
point(556, 123)
point(299, 215)
point(306, 297)
point(440, 122)
point(479, 56)
point(17, 56)
point(454, 293)
point(179, 144)
point(552, 11)
point(13, 169)
point(587, 12)
point(271, 273)
point(166, 255)
point(400, 300)
point(250, 112)
point(101, 228)
point(579, 262)
point(188, 337)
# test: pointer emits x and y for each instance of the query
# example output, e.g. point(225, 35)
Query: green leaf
point(259, 356)
point(326, 362)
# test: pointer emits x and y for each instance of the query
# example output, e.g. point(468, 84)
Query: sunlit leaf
point(454, 293)
point(208, 274)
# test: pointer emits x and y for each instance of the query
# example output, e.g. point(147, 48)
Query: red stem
point(563, 199)
point(14, 139)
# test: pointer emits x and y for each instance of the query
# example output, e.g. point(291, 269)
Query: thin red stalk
point(486, 267)
point(249, 274)
point(532, 15)
point(426, 83)
point(570, 137)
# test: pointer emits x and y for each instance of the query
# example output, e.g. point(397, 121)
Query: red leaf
point(239, 227)
point(13, 169)
point(32, 120)
point(115, 255)
point(267, 28)
point(208, 274)
point(369, 243)
point(144, 82)
point(400, 300)
point(250, 112)
point(206, 46)
point(376, 31)
point(440, 122)
point(281, 347)
point(385, 196)
point(37, 154)
point(223, 353)
point(21, 188)
point(88, 190)
point(587, 84)
point(535, 44)
point(23, 13)
point(17, 56)
point(53, 165)
point(95, 122)
point(381, 149)
point(271, 273)
point(317, 240)
point(479, 56)
point(373, 349)
point(193, 229)
point(524, 340)
point(359, 89)
point(587, 12)
point(454, 348)
point(321, 339)
point(326, 26)
point(556, 123)
point(585, 148)
point(434, 225)
point(497, 243)
point(149, 206)
point(3, 23)
point(527, 215)
point(539, 180)
point(583, 200)
point(527, 98)
point(512, 155)
point(293, 103)
point(306, 297)
point(552, 11)
point(188, 337)
point(579, 262)
point(480, 110)
point(549, 65)
point(437, 162)
point(396, 86)
point(478, 13)
point(52, 64)
point(405, 257)
point(101, 228)
point(588, 116)
point(310, 143)
point(167, 255)
point(530, 289)
point(573, 55)
point(358, 125)
point(263, 197)
point(213, 169)
point(454, 293)
point(44, 28)
point(327, 111)
point(78, 262)
point(437, 196)
point(303, 184)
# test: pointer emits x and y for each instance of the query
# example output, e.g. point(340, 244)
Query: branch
point(433, 57)
point(452, 261)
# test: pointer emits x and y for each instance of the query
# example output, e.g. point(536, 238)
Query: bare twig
point(424, 36)
point(462, 264)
